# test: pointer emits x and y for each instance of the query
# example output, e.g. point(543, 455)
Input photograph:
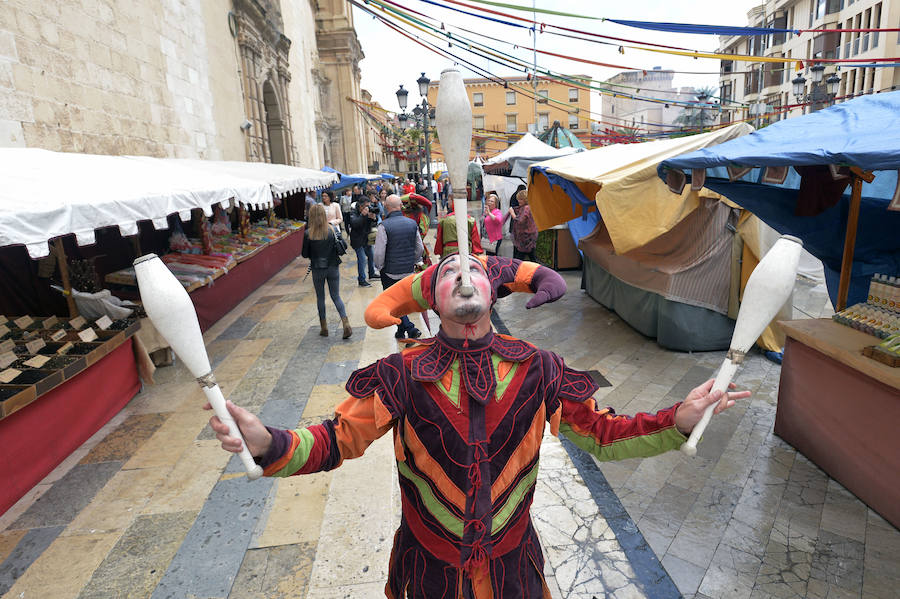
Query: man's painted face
point(450, 303)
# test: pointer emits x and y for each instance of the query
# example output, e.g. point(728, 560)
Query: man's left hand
point(689, 413)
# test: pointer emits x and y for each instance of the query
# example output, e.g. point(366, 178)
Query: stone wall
point(157, 78)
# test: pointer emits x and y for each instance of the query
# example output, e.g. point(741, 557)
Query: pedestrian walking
point(346, 203)
point(362, 223)
point(525, 231)
point(332, 210)
point(398, 248)
point(310, 201)
point(321, 247)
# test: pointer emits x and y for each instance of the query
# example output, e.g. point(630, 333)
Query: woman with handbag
point(493, 224)
point(525, 231)
point(323, 249)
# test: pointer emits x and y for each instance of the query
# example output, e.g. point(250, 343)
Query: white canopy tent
point(48, 194)
point(525, 152)
point(283, 179)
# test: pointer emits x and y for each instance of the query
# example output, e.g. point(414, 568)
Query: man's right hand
point(255, 433)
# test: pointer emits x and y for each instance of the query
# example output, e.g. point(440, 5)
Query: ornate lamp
point(401, 97)
point(423, 82)
point(832, 83)
point(799, 85)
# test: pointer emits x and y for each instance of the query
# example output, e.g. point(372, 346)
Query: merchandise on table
point(884, 292)
point(50, 351)
point(887, 352)
point(195, 269)
point(870, 319)
point(880, 315)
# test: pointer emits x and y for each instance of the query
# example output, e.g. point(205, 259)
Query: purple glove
point(548, 286)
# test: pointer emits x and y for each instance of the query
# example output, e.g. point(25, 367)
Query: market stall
point(824, 177)
point(670, 267)
point(250, 255)
point(515, 160)
point(62, 376)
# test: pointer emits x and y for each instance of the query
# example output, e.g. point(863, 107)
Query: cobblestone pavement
point(151, 507)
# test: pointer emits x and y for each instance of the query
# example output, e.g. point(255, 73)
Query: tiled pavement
point(150, 507)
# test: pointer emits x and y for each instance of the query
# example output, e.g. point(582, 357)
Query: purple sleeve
point(281, 442)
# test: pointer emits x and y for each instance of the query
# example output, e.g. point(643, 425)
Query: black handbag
point(339, 243)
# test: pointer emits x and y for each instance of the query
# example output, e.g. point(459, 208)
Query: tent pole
point(859, 176)
point(60, 253)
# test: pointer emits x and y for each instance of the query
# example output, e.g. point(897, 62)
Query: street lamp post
point(821, 94)
point(403, 118)
point(425, 112)
point(702, 97)
point(417, 113)
point(424, 82)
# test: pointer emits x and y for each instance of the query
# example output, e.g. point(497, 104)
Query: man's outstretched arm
point(608, 436)
point(312, 449)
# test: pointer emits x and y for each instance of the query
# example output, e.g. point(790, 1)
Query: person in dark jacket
point(320, 245)
point(362, 221)
point(398, 247)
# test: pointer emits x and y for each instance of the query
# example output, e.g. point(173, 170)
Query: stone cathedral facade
point(258, 80)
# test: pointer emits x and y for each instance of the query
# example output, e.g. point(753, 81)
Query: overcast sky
point(391, 59)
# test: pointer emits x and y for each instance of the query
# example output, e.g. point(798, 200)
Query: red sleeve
point(439, 239)
point(608, 436)
point(476, 239)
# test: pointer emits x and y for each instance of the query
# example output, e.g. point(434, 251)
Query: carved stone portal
point(264, 49)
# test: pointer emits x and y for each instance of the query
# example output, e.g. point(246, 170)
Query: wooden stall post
point(859, 176)
point(57, 248)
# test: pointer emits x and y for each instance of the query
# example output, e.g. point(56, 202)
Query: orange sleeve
point(357, 425)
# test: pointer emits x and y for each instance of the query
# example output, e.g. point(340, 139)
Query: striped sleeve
point(356, 424)
point(608, 436)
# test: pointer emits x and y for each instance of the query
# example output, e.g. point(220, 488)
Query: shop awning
point(282, 178)
point(794, 176)
point(47, 194)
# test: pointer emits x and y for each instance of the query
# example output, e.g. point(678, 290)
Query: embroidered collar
point(475, 364)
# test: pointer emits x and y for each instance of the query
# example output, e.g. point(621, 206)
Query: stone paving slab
point(211, 553)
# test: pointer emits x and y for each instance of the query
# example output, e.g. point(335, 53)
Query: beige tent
point(670, 265)
point(621, 179)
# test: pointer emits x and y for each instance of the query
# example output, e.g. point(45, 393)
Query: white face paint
point(451, 303)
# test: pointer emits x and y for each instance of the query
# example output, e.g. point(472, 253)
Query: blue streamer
point(702, 29)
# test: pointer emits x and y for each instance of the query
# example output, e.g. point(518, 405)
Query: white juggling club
point(768, 288)
point(170, 310)
point(454, 126)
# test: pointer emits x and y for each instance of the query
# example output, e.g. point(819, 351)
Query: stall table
point(214, 301)
point(840, 409)
point(40, 435)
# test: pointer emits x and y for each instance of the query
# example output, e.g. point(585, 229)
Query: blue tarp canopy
point(805, 198)
point(345, 180)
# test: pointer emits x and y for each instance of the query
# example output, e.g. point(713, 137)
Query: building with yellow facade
point(503, 113)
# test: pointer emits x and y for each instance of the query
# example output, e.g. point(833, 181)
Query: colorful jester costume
point(418, 207)
point(467, 418)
